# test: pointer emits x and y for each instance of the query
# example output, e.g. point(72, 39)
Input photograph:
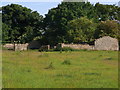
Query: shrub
point(40, 50)
point(62, 49)
point(50, 66)
point(43, 55)
point(109, 58)
point(66, 62)
point(65, 49)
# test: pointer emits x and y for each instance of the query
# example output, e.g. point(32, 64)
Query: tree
point(57, 18)
point(107, 12)
point(81, 30)
point(5, 32)
point(0, 27)
point(20, 23)
point(0, 8)
point(108, 28)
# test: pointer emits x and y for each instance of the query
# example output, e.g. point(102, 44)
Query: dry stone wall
point(76, 46)
point(8, 46)
point(16, 47)
point(21, 47)
point(104, 43)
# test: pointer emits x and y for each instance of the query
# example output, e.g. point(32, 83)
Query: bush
point(50, 66)
point(66, 62)
point(65, 49)
point(41, 50)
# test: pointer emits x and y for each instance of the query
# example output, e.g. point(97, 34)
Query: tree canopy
point(56, 21)
point(108, 28)
point(57, 18)
point(20, 23)
point(81, 30)
point(69, 22)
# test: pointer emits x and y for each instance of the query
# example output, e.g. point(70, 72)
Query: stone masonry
point(76, 46)
point(106, 43)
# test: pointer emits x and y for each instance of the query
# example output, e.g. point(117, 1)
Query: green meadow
point(74, 69)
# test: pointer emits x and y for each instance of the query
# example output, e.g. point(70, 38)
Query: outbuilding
point(106, 43)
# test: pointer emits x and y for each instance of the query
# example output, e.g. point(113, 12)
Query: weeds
point(91, 74)
point(66, 62)
point(64, 75)
point(109, 58)
point(43, 55)
point(50, 66)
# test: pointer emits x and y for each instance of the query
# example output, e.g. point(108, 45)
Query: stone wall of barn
point(106, 43)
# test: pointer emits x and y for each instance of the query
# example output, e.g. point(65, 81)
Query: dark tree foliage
point(20, 23)
point(107, 12)
point(57, 18)
point(0, 27)
point(0, 8)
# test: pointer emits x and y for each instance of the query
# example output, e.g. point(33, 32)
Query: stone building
point(106, 43)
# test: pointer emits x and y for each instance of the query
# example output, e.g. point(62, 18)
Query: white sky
point(55, 0)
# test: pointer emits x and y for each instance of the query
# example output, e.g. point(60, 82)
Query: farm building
point(106, 43)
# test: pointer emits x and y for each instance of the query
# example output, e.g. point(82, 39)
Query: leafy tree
point(81, 30)
point(0, 27)
point(5, 33)
point(107, 12)
point(20, 23)
point(108, 28)
point(0, 8)
point(57, 18)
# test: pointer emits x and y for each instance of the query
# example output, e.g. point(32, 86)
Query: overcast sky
point(42, 6)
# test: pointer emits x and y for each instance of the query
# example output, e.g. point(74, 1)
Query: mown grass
point(87, 69)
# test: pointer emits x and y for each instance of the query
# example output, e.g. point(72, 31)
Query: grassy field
point(78, 69)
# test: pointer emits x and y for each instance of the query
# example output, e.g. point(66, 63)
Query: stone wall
point(21, 47)
point(106, 43)
point(8, 46)
point(76, 46)
point(31, 45)
point(16, 47)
